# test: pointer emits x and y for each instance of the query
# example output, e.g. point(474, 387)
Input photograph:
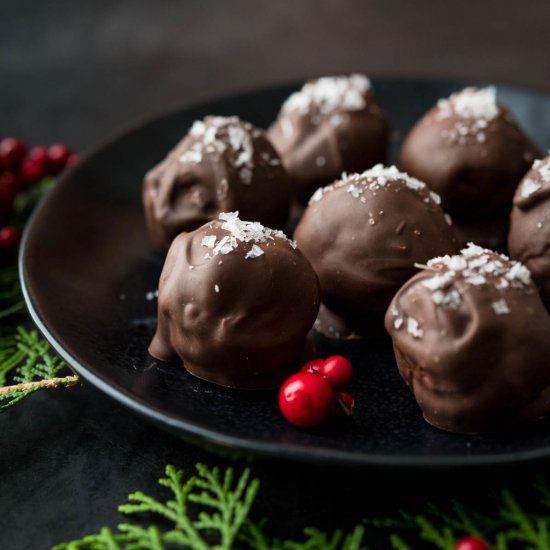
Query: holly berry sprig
point(310, 397)
point(20, 169)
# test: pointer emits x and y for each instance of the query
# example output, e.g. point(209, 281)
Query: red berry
point(8, 190)
point(32, 171)
point(306, 399)
point(471, 543)
point(345, 404)
point(71, 160)
point(39, 154)
point(338, 370)
point(58, 155)
point(12, 153)
point(313, 366)
point(9, 237)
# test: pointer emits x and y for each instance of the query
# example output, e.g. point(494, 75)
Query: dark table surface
point(80, 71)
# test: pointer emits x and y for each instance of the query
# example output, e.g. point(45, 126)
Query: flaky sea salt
point(529, 187)
point(413, 328)
point(218, 134)
point(474, 108)
point(241, 231)
point(329, 94)
point(500, 307)
point(476, 266)
point(374, 179)
point(470, 103)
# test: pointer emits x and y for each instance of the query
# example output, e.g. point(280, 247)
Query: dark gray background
point(76, 71)
point(81, 71)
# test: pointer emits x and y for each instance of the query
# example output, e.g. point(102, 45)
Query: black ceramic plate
point(87, 268)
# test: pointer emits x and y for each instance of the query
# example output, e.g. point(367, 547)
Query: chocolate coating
point(363, 235)
point(235, 303)
point(470, 150)
point(529, 237)
point(221, 165)
point(470, 335)
point(332, 125)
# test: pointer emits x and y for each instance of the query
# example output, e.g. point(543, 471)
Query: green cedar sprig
point(208, 511)
point(28, 365)
point(212, 511)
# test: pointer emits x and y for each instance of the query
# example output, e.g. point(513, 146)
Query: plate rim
point(203, 436)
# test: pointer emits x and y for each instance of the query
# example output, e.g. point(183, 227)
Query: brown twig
point(49, 383)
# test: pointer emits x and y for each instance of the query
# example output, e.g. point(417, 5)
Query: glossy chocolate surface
point(363, 235)
point(471, 338)
point(529, 237)
point(88, 289)
point(471, 151)
point(235, 302)
point(223, 164)
point(332, 125)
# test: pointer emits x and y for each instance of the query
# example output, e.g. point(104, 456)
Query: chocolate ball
point(235, 303)
point(470, 335)
point(471, 151)
point(529, 237)
point(333, 124)
point(222, 164)
point(363, 235)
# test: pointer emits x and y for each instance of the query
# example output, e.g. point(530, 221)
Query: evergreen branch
point(11, 299)
point(46, 384)
point(17, 307)
point(32, 365)
point(233, 505)
point(398, 543)
point(542, 487)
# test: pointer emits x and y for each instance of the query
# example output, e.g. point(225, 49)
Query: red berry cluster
point(309, 397)
point(20, 168)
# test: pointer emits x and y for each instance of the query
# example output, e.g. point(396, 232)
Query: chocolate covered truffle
point(363, 235)
point(333, 124)
point(223, 164)
point(470, 335)
point(471, 151)
point(529, 237)
point(235, 303)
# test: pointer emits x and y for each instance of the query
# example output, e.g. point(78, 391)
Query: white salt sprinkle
point(413, 328)
point(500, 307)
point(374, 179)
point(476, 266)
point(216, 134)
point(241, 231)
point(329, 94)
point(470, 103)
point(529, 187)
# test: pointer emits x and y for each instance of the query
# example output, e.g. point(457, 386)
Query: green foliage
point(513, 526)
point(30, 364)
point(211, 511)
point(208, 511)
point(26, 202)
point(11, 300)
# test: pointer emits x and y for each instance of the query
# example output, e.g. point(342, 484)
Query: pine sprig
point(208, 511)
point(231, 507)
point(33, 366)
